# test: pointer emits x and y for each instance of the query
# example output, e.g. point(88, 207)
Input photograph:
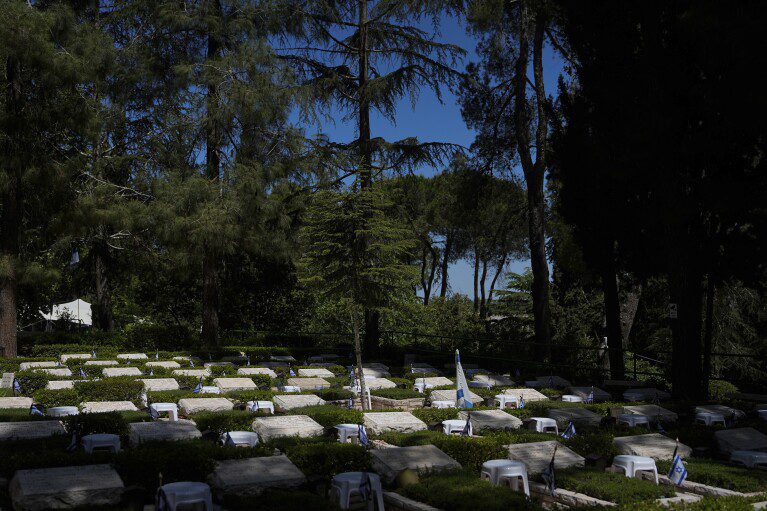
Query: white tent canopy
point(77, 311)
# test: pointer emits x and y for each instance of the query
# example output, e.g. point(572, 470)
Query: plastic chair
point(255, 406)
point(101, 441)
point(504, 399)
point(571, 398)
point(749, 459)
point(491, 469)
point(630, 465)
point(710, 418)
point(455, 426)
point(62, 411)
point(511, 475)
point(633, 420)
point(347, 431)
point(186, 493)
point(240, 438)
point(348, 483)
point(422, 386)
point(545, 425)
point(155, 409)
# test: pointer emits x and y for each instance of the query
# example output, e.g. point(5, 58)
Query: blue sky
point(431, 120)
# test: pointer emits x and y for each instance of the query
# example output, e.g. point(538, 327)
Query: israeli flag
point(290, 371)
point(366, 488)
point(467, 428)
point(350, 404)
point(678, 473)
point(82, 373)
point(363, 435)
point(191, 363)
point(549, 476)
point(590, 397)
point(248, 359)
point(521, 402)
point(230, 441)
point(16, 386)
point(157, 355)
point(93, 353)
point(462, 388)
point(198, 388)
point(33, 410)
point(151, 372)
point(569, 432)
point(75, 258)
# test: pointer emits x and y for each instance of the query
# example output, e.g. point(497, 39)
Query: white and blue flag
point(33, 410)
point(521, 402)
point(248, 359)
point(467, 430)
point(462, 388)
point(548, 475)
point(590, 397)
point(569, 431)
point(93, 353)
point(191, 363)
point(82, 373)
point(230, 441)
point(16, 386)
point(198, 388)
point(151, 372)
point(677, 473)
point(363, 435)
point(291, 372)
point(157, 355)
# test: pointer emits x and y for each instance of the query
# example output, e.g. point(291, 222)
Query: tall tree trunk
point(210, 262)
point(358, 357)
point(534, 171)
point(685, 285)
point(498, 271)
point(483, 295)
point(612, 314)
point(445, 262)
point(629, 311)
point(104, 317)
point(708, 339)
point(476, 281)
point(10, 216)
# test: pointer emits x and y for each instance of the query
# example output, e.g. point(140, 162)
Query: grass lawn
point(717, 474)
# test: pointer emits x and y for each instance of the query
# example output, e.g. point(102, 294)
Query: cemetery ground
point(114, 426)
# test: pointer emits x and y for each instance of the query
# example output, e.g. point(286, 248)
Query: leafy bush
point(333, 394)
point(262, 381)
point(169, 396)
point(434, 416)
point(402, 383)
point(221, 422)
point(610, 486)
point(243, 396)
point(281, 501)
point(121, 388)
point(328, 459)
point(724, 476)
point(32, 381)
point(593, 442)
point(49, 453)
point(721, 389)
point(330, 415)
point(19, 415)
point(415, 376)
point(397, 393)
point(222, 371)
point(462, 491)
point(470, 452)
point(110, 422)
point(63, 397)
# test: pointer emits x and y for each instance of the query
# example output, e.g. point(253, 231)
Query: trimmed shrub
point(281, 501)
point(243, 396)
point(19, 415)
point(32, 381)
point(330, 415)
point(432, 416)
point(415, 376)
point(397, 393)
point(121, 388)
point(402, 383)
point(593, 442)
point(221, 422)
point(63, 397)
point(720, 389)
point(110, 422)
point(169, 396)
point(222, 371)
point(610, 486)
point(328, 459)
point(262, 381)
point(333, 394)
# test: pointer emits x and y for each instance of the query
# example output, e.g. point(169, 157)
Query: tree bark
point(445, 262)
point(534, 172)
point(358, 356)
point(612, 314)
point(10, 218)
point(476, 281)
point(708, 339)
point(629, 312)
point(498, 271)
point(104, 317)
point(685, 283)
point(483, 295)
point(210, 263)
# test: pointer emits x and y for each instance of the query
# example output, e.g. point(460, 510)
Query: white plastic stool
point(185, 493)
point(511, 474)
point(749, 459)
point(101, 441)
point(62, 411)
point(240, 438)
point(570, 398)
point(504, 399)
point(455, 426)
point(633, 464)
point(155, 409)
point(491, 469)
point(710, 418)
point(348, 483)
point(443, 404)
point(545, 425)
point(421, 386)
point(255, 406)
point(347, 431)
point(633, 420)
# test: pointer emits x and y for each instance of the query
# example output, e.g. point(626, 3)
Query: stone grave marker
point(15, 402)
point(388, 463)
point(197, 373)
point(204, 404)
point(537, 455)
point(30, 430)
point(6, 382)
point(375, 365)
point(492, 420)
point(653, 412)
point(494, 380)
point(159, 384)
point(74, 356)
point(132, 356)
point(102, 363)
point(436, 381)
point(208, 365)
point(583, 392)
point(60, 384)
point(250, 371)
point(373, 372)
point(578, 416)
point(234, 384)
point(726, 411)
point(652, 445)
point(108, 406)
point(319, 372)
point(401, 422)
point(282, 358)
point(61, 372)
point(379, 383)
point(290, 401)
point(251, 476)
point(309, 383)
point(286, 425)
point(741, 439)
point(182, 358)
point(109, 372)
point(164, 431)
point(235, 359)
point(65, 488)
point(449, 395)
point(25, 366)
point(167, 364)
point(622, 383)
point(529, 395)
point(557, 381)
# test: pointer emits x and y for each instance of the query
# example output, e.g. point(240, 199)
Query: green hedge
point(434, 416)
point(221, 422)
point(713, 473)
point(330, 415)
point(397, 393)
point(63, 397)
point(329, 459)
point(610, 486)
point(119, 388)
point(169, 396)
point(470, 452)
point(281, 501)
point(333, 394)
point(32, 381)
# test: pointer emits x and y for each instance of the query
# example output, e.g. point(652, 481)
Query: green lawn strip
point(610, 486)
point(397, 393)
point(720, 475)
point(706, 504)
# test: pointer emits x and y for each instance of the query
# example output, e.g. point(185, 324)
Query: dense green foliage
point(611, 487)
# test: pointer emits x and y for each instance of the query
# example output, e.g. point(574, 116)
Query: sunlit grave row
point(537, 440)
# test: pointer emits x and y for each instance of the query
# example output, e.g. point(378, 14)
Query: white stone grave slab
point(491, 420)
point(234, 384)
point(30, 430)
point(652, 445)
point(583, 392)
point(529, 395)
point(375, 365)
point(73, 356)
point(60, 384)
point(741, 439)
point(494, 380)
point(15, 402)
point(282, 358)
point(6, 381)
point(449, 395)
point(192, 372)
point(291, 401)
point(66, 487)
point(379, 383)
point(164, 431)
point(276, 426)
point(373, 372)
point(159, 384)
point(166, 364)
point(315, 373)
point(251, 476)
point(108, 406)
point(250, 371)
point(653, 412)
point(132, 356)
point(557, 381)
point(537, 455)
point(309, 383)
point(578, 416)
point(436, 381)
point(61, 372)
point(102, 363)
point(109, 372)
point(401, 422)
point(726, 411)
point(204, 404)
point(388, 463)
point(208, 365)
point(25, 366)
